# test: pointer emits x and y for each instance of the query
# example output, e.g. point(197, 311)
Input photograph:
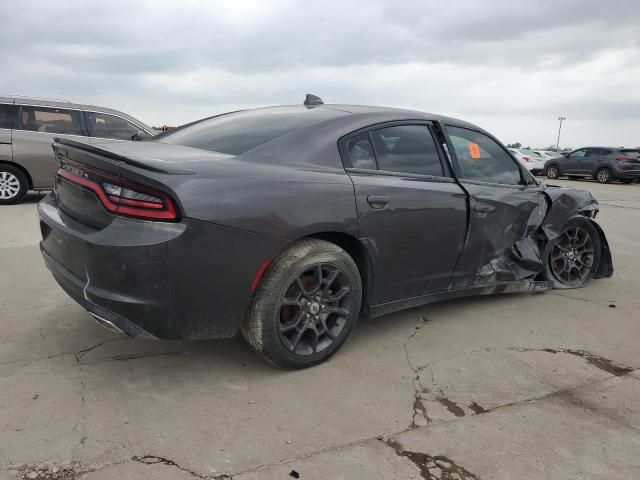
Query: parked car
point(547, 154)
point(28, 127)
point(289, 223)
point(531, 160)
point(602, 163)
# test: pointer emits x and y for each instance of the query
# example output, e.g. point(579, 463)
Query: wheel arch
point(553, 164)
point(360, 255)
point(22, 169)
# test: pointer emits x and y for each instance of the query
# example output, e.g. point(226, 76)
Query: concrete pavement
point(513, 386)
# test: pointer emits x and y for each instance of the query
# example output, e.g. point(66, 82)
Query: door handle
point(482, 209)
point(378, 201)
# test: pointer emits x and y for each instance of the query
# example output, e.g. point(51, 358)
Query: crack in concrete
point(598, 361)
point(451, 406)
point(477, 409)
point(419, 417)
point(74, 471)
point(620, 206)
point(135, 356)
point(84, 351)
point(433, 467)
point(154, 460)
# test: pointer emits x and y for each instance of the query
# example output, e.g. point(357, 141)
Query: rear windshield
point(236, 133)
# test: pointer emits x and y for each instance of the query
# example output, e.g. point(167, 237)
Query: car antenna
point(311, 99)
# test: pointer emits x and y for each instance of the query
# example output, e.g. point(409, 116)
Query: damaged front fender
point(511, 243)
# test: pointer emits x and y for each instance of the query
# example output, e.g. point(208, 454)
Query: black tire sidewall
point(24, 184)
point(597, 247)
point(553, 168)
point(266, 304)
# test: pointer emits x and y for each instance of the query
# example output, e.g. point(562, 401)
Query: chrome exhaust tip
point(103, 322)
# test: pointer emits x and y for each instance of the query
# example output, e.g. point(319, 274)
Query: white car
point(530, 159)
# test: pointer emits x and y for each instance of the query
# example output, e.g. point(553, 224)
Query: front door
point(572, 165)
point(505, 203)
point(411, 212)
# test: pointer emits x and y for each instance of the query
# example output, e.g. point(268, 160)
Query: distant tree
point(514, 145)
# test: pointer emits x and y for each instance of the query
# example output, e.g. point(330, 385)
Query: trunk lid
point(86, 170)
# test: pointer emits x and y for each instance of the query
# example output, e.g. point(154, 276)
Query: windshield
point(239, 132)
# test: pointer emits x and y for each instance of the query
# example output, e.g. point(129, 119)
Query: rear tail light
point(625, 159)
point(122, 197)
point(526, 159)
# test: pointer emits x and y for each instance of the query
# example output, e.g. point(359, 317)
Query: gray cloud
point(512, 66)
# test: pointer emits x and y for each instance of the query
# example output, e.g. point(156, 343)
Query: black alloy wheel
point(574, 255)
point(305, 306)
point(315, 309)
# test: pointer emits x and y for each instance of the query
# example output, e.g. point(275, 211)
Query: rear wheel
point(573, 257)
point(552, 172)
point(13, 185)
point(603, 175)
point(306, 306)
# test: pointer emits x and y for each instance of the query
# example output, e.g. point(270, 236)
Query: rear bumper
point(182, 280)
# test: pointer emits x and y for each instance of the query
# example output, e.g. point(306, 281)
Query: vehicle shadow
point(34, 197)
point(102, 350)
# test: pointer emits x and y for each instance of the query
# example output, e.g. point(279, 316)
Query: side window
point(481, 158)
point(360, 152)
point(104, 125)
point(407, 149)
point(578, 153)
point(48, 120)
point(6, 115)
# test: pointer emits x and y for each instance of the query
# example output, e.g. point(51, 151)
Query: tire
point(627, 181)
point(558, 255)
point(13, 185)
point(603, 175)
point(552, 172)
point(286, 297)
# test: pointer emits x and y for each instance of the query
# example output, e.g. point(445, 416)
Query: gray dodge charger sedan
point(290, 223)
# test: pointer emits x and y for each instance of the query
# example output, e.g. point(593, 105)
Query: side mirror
point(139, 135)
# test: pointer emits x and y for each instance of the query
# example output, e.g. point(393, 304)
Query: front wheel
point(306, 305)
point(572, 259)
point(603, 175)
point(552, 172)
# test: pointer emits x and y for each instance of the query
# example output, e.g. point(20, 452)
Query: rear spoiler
point(64, 146)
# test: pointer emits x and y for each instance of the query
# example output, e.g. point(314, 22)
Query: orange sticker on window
point(474, 150)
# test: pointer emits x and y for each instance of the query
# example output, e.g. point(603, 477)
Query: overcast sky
point(511, 67)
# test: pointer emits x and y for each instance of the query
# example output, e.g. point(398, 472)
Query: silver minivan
point(28, 127)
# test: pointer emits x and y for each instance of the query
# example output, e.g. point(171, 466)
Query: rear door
point(593, 160)
point(34, 128)
point(6, 120)
point(411, 212)
point(504, 200)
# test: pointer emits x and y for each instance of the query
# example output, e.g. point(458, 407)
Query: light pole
point(559, 129)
